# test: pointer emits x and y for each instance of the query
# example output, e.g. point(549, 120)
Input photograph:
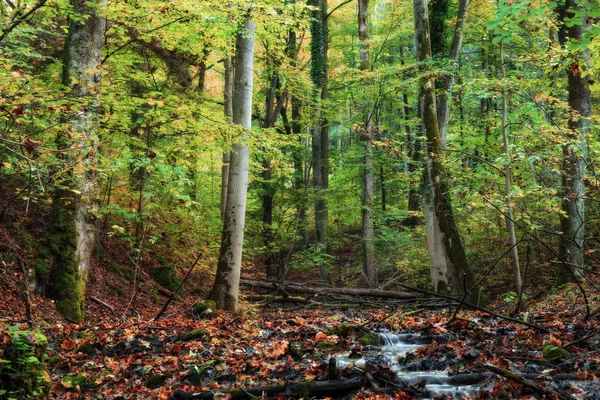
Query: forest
point(299, 199)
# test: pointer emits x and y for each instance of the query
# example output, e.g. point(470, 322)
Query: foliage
point(23, 372)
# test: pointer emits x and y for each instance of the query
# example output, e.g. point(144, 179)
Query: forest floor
point(137, 358)
point(121, 353)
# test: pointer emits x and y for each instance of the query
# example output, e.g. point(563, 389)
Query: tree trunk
point(227, 96)
point(367, 175)
point(226, 287)
point(453, 249)
point(574, 151)
point(320, 139)
point(71, 238)
point(446, 82)
point(514, 252)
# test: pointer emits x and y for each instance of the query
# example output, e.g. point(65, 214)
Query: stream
point(431, 379)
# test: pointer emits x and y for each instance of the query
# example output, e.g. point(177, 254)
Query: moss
point(196, 334)
point(550, 352)
point(156, 381)
point(124, 272)
point(343, 329)
point(296, 352)
point(117, 289)
point(165, 277)
point(79, 381)
point(325, 345)
point(68, 285)
point(204, 309)
point(369, 340)
point(89, 348)
point(23, 373)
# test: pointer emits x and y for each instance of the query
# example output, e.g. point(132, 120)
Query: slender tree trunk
point(227, 96)
point(574, 151)
point(226, 287)
point(367, 175)
point(453, 249)
point(514, 252)
point(446, 82)
point(320, 139)
point(71, 237)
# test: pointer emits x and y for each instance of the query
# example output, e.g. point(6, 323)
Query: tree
point(72, 236)
point(435, 248)
point(367, 178)
point(574, 150)
point(452, 245)
point(320, 134)
point(226, 287)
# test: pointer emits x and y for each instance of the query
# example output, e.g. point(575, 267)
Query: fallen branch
point(297, 288)
point(516, 377)
point(105, 305)
point(299, 389)
point(185, 278)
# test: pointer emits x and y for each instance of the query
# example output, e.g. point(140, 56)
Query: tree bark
point(71, 238)
point(227, 97)
point(574, 151)
point(226, 287)
point(446, 82)
point(452, 245)
point(514, 252)
point(367, 175)
point(320, 136)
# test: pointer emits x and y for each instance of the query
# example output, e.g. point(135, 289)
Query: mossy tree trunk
point(71, 238)
point(574, 151)
point(226, 287)
point(320, 130)
point(437, 180)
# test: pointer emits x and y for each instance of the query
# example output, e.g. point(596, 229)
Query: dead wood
point(105, 305)
point(299, 389)
point(298, 288)
point(517, 377)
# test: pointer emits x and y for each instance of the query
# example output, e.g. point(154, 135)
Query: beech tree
point(72, 235)
point(367, 178)
point(226, 287)
point(452, 245)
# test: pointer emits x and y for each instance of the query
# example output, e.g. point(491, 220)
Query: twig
point(106, 305)
point(27, 292)
point(16, 22)
point(162, 310)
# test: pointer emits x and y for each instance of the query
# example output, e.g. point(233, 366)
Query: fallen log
point(299, 389)
point(277, 299)
point(297, 288)
point(517, 377)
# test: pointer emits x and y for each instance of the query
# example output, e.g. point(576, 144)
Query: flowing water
point(395, 347)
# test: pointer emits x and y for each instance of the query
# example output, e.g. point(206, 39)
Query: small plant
point(23, 373)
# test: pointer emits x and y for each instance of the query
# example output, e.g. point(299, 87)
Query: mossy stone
point(80, 381)
point(295, 351)
point(196, 334)
point(165, 276)
point(551, 352)
point(369, 339)
point(204, 309)
point(325, 345)
point(343, 329)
